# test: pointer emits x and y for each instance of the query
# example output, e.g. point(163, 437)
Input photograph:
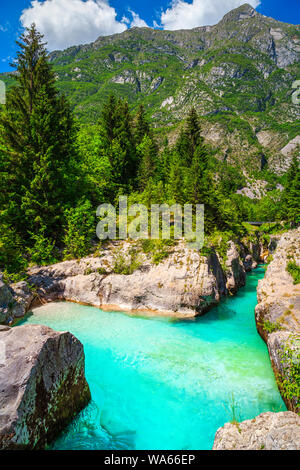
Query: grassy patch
point(270, 327)
point(294, 270)
point(126, 264)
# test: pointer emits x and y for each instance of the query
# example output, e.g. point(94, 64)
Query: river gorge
point(166, 383)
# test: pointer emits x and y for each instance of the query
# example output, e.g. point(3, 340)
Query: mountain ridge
point(238, 74)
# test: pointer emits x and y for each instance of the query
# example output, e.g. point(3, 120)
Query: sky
point(71, 22)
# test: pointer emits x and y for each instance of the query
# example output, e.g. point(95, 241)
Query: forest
point(55, 170)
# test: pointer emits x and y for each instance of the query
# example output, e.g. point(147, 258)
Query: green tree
point(189, 138)
point(116, 128)
point(79, 230)
point(176, 182)
point(147, 152)
point(291, 194)
point(109, 119)
point(37, 146)
point(142, 126)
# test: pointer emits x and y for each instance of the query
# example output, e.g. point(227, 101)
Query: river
point(163, 383)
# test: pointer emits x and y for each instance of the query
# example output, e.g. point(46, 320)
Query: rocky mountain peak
point(241, 13)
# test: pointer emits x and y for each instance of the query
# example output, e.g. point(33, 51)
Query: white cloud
point(182, 15)
point(65, 23)
point(126, 20)
point(137, 21)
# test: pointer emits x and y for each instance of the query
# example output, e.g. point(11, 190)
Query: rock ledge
point(269, 431)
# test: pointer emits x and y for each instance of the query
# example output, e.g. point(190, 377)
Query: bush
point(294, 270)
point(270, 327)
point(126, 264)
point(80, 228)
point(289, 382)
point(160, 249)
point(43, 250)
point(12, 258)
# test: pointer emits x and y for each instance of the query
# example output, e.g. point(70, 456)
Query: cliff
point(278, 315)
point(179, 281)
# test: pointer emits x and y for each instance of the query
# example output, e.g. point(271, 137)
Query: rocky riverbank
point(43, 385)
point(119, 277)
point(278, 322)
point(268, 431)
point(278, 316)
point(185, 283)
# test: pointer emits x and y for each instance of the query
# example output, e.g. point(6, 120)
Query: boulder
point(23, 297)
point(235, 271)
point(248, 263)
point(6, 302)
point(268, 431)
point(284, 351)
point(42, 385)
point(15, 301)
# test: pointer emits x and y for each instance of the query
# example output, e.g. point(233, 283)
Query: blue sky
point(69, 22)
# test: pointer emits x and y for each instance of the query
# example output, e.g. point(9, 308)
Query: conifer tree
point(291, 195)
point(189, 138)
point(176, 186)
point(142, 127)
point(37, 139)
point(117, 129)
point(147, 152)
point(109, 119)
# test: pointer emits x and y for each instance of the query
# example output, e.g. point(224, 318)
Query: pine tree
point(37, 142)
point(109, 119)
point(116, 127)
point(125, 137)
point(291, 195)
point(147, 152)
point(142, 127)
point(175, 185)
point(189, 138)
point(199, 177)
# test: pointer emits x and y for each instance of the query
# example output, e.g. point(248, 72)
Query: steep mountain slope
point(238, 74)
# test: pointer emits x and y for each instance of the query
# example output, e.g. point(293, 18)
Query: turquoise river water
point(161, 383)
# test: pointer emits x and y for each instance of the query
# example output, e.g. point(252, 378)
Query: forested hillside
point(238, 75)
point(86, 125)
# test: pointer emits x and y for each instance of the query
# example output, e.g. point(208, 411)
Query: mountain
point(238, 74)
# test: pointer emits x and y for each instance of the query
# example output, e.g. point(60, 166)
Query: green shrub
point(126, 264)
point(12, 258)
point(289, 381)
point(294, 270)
point(102, 271)
point(43, 251)
point(271, 327)
point(160, 249)
point(79, 230)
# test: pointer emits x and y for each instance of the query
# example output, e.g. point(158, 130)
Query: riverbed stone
point(235, 270)
point(42, 385)
point(268, 431)
point(6, 301)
